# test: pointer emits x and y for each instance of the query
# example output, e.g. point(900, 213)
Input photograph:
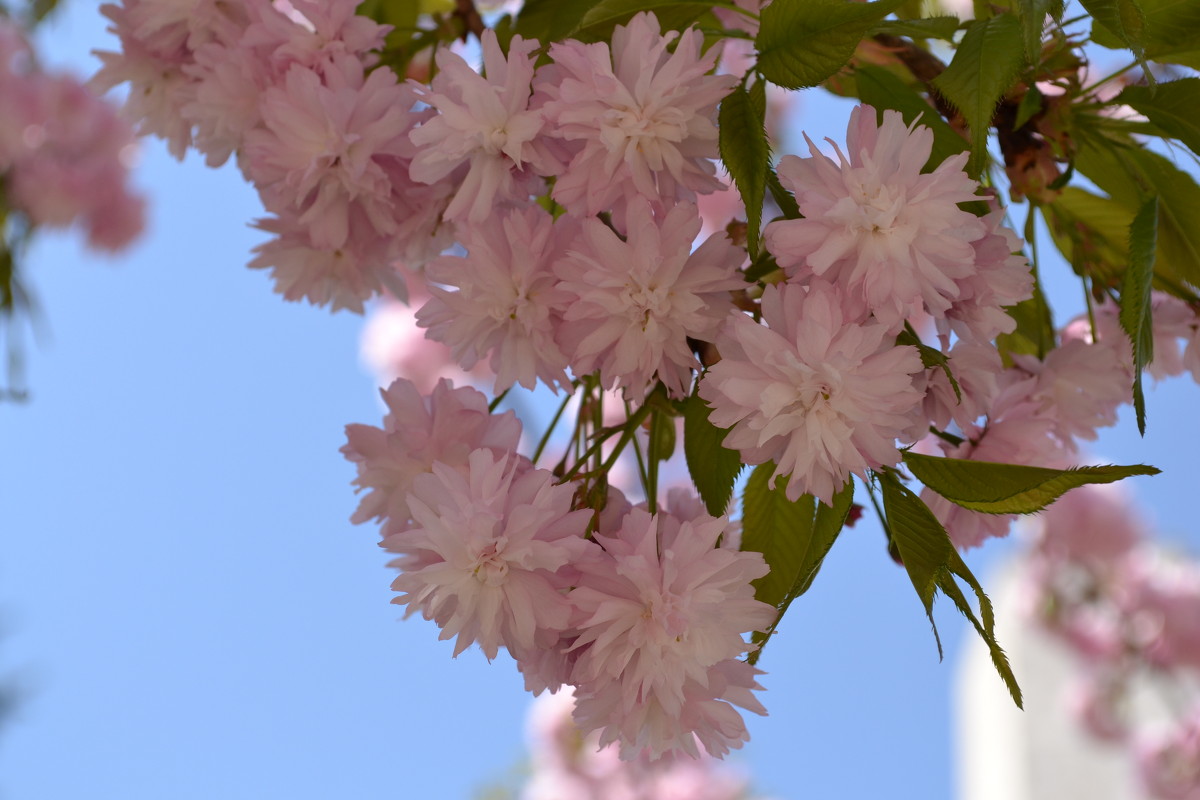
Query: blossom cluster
point(546, 211)
point(65, 155)
point(643, 613)
point(1130, 612)
point(1042, 408)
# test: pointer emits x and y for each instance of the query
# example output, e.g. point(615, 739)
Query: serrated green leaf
point(1124, 19)
point(802, 42)
point(985, 66)
point(1031, 103)
point(782, 197)
point(1035, 328)
point(1033, 15)
point(1008, 488)
point(932, 563)
point(1089, 231)
point(930, 357)
point(794, 538)
point(879, 88)
point(1171, 33)
point(1135, 299)
point(714, 468)
point(937, 27)
point(1172, 106)
point(746, 152)
point(1129, 173)
point(598, 23)
point(551, 20)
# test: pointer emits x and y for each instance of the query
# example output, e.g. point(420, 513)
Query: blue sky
point(188, 613)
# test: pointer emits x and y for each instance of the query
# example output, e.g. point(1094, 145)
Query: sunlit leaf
point(802, 42)
point(794, 538)
point(1008, 488)
point(985, 66)
point(714, 468)
point(746, 152)
point(1135, 299)
point(932, 563)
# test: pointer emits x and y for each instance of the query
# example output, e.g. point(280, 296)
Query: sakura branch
point(548, 191)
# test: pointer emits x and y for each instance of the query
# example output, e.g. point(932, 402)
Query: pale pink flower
point(658, 620)
point(647, 728)
point(975, 366)
point(484, 123)
point(641, 116)
point(1079, 386)
point(633, 303)
point(445, 426)
point(158, 86)
point(1002, 278)
point(505, 301)
point(490, 553)
point(876, 225)
point(326, 145)
point(344, 276)
point(315, 34)
point(820, 395)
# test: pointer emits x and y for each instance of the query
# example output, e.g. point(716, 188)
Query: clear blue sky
point(189, 614)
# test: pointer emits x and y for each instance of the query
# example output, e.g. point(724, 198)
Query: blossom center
point(490, 567)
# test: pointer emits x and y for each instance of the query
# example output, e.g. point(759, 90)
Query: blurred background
point(186, 612)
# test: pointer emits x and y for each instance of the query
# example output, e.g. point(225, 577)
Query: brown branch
point(472, 22)
point(924, 66)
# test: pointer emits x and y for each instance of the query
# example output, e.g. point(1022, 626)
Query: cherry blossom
point(484, 556)
point(816, 393)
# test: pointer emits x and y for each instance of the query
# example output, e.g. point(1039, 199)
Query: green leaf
point(746, 152)
point(879, 88)
point(598, 23)
point(1089, 231)
point(782, 197)
point(1008, 488)
point(937, 27)
point(1033, 15)
point(1031, 103)
point(932, 563)
point(794, 538)
point(1135, 299)
point(802, 42)
point(714, 468)
point(985, 66)
point(1129, 174)
point(1035, 328)
point(1171, 33)
point(1124, 19)
point(1171, 106)
point(551, 20)
point(930, 357)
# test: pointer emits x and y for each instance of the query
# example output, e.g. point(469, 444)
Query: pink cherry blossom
point(876, 225)
point(505, 300)
point(640, 116)
point(445, 426)
point(484, 123)
point(325, 147)
point(661, 621)
point(820, 395)
point(633, 303)
point(490, 552)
